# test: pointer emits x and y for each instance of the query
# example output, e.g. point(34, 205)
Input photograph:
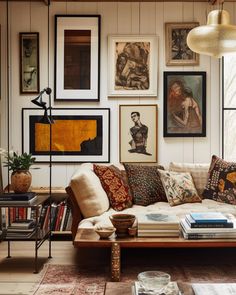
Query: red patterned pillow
point(114, 186)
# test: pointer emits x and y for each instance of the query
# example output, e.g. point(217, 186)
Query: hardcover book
point(214, 289)
point(17, 197)
point(157, 221)
point(208, 217)
point(193, 224)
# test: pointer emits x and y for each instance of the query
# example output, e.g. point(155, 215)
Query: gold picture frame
point(176, 49)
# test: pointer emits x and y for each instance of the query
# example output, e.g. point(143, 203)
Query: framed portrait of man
point(132, 65)
point(177, 51)
point(138, 133)
point(184, 104)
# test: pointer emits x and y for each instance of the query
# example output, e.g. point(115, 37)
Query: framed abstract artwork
point(177, 51)
point(77, 57)
point(138, 133)
point(184, 104)
point(132, 65)
point(29, 63)
point(78, 135)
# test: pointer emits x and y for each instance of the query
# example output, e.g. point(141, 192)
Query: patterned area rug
point(71, 280)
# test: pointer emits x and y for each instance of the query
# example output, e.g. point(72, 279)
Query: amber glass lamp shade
point(217, 38)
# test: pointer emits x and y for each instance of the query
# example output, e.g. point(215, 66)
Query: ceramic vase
point(21, 181)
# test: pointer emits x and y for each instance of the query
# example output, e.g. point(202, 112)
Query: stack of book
point(158, 225)
point(21, 229)
point(208, 225)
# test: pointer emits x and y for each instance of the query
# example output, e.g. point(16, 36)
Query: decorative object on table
point(177, 51)
point(21, 177)
point(133, 231)
point(184, 104)
point(132, 65)
point(217, 38)
point(138, 133)
point(77, 57)
point(78, 135)
point(122, 222)
point(29, 63)
point(171, 289)
point(105, 232)
point(154, 281)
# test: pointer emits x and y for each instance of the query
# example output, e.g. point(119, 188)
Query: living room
point(106, 27)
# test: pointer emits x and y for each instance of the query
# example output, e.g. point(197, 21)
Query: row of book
point(61, 216)
point(208, 225)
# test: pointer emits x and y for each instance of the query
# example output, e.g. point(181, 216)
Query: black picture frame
point(29, 62)
point(184, 104)
point(77, 57)
point(78, 135)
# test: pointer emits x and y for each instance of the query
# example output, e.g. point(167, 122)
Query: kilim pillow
point(145, 184)
point(179, 187)
point(221, 185)
point(117, 191)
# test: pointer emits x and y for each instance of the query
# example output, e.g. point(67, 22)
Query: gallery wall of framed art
point(117, 31)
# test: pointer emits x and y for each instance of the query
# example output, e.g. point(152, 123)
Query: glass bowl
point(154, 280)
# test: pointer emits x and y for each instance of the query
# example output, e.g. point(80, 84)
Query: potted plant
point(21, 177)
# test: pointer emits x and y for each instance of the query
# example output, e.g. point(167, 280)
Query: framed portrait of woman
point(184, 104)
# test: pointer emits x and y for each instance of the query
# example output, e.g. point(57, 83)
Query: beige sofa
point(91, 208)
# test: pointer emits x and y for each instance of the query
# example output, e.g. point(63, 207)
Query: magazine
point(214, 289)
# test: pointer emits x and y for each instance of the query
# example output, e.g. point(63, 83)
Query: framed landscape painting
point(177, 51)
point(132, 65)
point(29, 63)
point(77, 57)
point(78, 135)
point(184, 104)
point(138, 133)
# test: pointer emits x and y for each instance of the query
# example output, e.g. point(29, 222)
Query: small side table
point(39, 235)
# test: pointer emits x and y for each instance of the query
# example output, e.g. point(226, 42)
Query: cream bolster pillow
point(88, 191)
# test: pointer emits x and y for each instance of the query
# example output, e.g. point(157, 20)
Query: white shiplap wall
point(116, 18)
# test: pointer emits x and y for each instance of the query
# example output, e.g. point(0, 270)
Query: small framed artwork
point(77, 57)
point(177, 51)
point(132, 65)
point(138, 133)
point(184, 104)
point(29, 63)
point(78, 135)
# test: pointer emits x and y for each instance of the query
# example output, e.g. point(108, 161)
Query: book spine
point(66, 218)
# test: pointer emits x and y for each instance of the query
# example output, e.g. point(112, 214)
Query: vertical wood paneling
point(116, 18)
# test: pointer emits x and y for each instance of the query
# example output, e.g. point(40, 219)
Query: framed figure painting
point(29, 63)
point(132, 65)
point(184, 104)
point(138, 133)
point(77, 57)
point(78, 135)
point(177, 51)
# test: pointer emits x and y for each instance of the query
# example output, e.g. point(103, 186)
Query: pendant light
point(217, 38)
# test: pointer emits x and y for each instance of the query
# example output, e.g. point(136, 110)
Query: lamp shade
point(217, 38)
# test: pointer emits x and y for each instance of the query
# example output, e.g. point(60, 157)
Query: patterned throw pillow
point(198, 171)
point(179, 187)
point(145, 184)
point(114, 186)
point(221, 185)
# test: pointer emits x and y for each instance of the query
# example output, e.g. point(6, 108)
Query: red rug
point(72, 280)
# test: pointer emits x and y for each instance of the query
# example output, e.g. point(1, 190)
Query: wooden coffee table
point(125, 288)
point(89, 238)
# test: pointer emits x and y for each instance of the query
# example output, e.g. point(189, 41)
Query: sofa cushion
point(198, 171)
point(180, 211)
point(86, 186)
point(145, 184)
point(112, 182)
point(221, 185)
point(179, 187)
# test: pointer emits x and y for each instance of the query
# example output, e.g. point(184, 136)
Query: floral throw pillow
point(117, 191)
point(221, 184)
point(145, 184)
point(179, 187)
